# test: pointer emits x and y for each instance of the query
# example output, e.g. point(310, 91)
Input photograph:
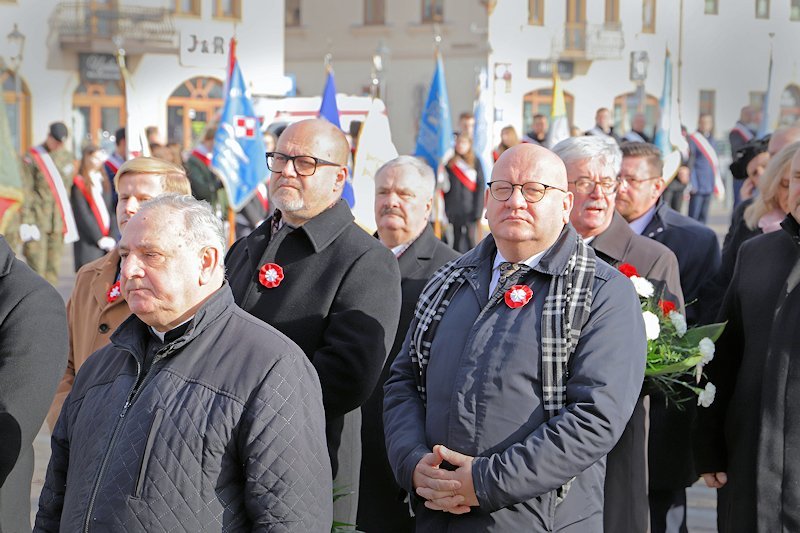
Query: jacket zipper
point(137, 388)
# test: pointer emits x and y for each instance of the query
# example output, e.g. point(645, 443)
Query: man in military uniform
point(205, 184)
point(47, 221)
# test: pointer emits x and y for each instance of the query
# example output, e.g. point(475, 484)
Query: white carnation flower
point(643, 287)
point(706, 396)
point(679, 321)
point(706, 347)
point(651, 326)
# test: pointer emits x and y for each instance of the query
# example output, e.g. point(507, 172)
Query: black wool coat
point(33, 356)
point(697, 250)
point(748, 430)
point(380, 500)
point(626, 506)
point(339, 301)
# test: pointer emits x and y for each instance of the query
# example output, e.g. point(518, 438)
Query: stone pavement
point(702, 500)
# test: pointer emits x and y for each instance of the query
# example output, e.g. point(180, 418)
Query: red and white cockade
point(270, 275)
point(113, 293)
point(518, 295)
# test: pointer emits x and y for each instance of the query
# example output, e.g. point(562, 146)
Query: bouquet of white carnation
point(676, 354)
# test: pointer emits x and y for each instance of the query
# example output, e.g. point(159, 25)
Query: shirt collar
point(173, 334)
point(532, 261)
point(638, 226)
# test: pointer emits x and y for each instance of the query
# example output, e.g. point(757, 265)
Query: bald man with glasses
point(520, 370)
point(313, 274)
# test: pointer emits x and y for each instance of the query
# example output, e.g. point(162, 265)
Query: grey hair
point(201, 226)
point(423, 169)
point(603, 152)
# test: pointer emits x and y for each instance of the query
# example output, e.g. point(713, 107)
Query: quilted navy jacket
point(225, 432)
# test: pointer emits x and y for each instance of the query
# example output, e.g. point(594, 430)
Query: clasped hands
point(445, 490)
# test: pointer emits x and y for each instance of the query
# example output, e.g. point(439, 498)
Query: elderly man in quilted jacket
point(197, 417)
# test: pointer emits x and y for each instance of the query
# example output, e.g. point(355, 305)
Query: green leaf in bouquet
point(694, 335)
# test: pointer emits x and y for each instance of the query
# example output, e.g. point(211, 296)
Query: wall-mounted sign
point(539, 68)
point(98, 67)
point(201, 47)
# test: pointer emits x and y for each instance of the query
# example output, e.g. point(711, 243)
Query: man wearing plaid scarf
point(520, 369)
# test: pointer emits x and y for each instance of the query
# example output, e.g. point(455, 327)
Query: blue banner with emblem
point(435, 128)
point(330, 112)
point(238, 157)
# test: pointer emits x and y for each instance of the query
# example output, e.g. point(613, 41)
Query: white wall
point(52, 74)
point(727, 53)
point(410, 66)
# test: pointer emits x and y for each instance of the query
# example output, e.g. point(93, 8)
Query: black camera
point(745, 154)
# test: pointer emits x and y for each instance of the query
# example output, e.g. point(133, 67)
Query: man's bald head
point(531, 162)
point(329, 139)
point(529, 219)
point(782, 138)
point(301, 197)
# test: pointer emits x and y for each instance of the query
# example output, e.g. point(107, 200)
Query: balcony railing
point(84, 27)
point(589, 41)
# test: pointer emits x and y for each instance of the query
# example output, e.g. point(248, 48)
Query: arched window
point(17, 99)
point(191, 107)
point(540, 102)
point(98, 111)
point(625, 106)
point(790, 105)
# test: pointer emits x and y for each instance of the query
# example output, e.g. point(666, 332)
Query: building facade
point(387, 47)
point(723, 48)
point(176, 52)
point(610, 54)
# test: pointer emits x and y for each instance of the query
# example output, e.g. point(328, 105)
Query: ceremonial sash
point(745, 133)
point(113, 163)
point(711, 156)
point(48, 169)
point(467, 176)
point(202, 156)
point(261, 194)
point(100, 212)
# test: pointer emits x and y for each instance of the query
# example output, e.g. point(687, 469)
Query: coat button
point(103, 328)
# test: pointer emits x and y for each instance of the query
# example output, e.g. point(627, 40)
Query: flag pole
point(437, 223)
point(231, 212)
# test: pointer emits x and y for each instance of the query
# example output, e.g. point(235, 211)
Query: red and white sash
point(97, 205)
point(113, 163)
point(466, 175)
point(711, 155)
point(261, 194)
point(49, 170)
point(743, 132)
point(203, 156)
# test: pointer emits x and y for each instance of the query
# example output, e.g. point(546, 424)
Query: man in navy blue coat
point(697, 250)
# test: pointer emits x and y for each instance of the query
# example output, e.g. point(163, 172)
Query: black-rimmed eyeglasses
point(634, 183)
point(304, 165)
point(532, 191)
point(588, 185)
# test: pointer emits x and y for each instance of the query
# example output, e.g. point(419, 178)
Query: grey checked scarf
point(566, 310)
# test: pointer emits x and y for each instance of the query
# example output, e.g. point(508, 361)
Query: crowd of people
point(312, 374)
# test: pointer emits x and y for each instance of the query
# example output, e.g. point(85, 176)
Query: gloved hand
point(106, 244)
point(29, 232)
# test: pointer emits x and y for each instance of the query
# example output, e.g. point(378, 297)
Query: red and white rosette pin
point(270, 275)
point(518, 295)
point(113, 293)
